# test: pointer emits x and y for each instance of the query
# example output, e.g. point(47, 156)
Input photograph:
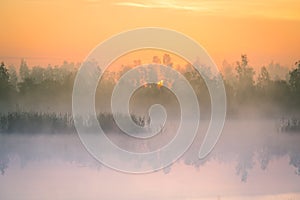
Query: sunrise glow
point(49, 32)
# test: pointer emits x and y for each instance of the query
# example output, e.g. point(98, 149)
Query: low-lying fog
point(252, 160)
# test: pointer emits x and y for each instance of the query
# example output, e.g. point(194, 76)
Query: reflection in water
point(251, 158)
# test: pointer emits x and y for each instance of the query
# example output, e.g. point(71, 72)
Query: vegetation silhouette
point(39, 92)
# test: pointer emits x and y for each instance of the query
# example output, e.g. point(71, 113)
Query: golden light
point(160, 83)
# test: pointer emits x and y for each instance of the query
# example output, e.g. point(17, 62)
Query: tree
point(295, 78)
point(245, 78)
point(4, 87)
point(167, 60)
point(4, 78)
point(38, 74)
point(24, 70)
point(228, 73)
point(245, 73)
point(277, 71)
point(294, 83)
point(263, 79)
point(13, 77)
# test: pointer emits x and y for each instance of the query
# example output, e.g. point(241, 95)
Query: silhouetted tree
point(24, 70)
point(4, 79)
point(4, 88)
point(295, 78)
point(277, 71)
point(167, 60)
point(13, 77)
point(245, 78)
point(263, 79)
point(294, 82)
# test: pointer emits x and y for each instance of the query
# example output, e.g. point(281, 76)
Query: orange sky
point(50, 31)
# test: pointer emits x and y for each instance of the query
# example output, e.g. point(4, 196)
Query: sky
point(51, 31)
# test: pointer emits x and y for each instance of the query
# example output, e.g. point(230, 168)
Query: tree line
point(49, 89)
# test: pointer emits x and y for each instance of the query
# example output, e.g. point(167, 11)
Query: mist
point(256, 157)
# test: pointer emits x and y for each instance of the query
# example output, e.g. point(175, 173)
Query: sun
point(160, 83)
